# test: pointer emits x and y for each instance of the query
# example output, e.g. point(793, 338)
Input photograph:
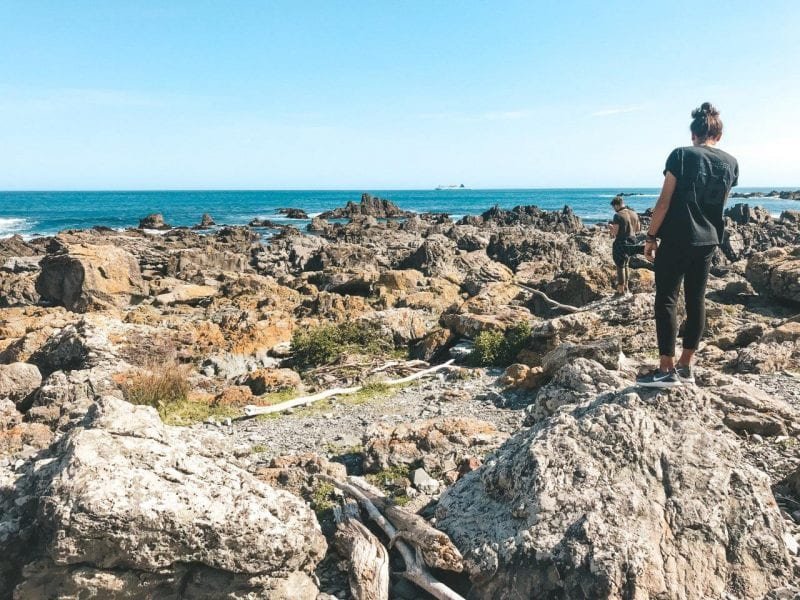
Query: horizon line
point(362, 190)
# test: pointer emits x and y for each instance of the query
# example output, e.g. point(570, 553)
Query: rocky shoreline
point(127, 358)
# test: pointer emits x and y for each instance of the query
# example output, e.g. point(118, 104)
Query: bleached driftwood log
point(252, 411)
point(416, 570)
point(368, 559)
point(565, 307)
point(437, 550)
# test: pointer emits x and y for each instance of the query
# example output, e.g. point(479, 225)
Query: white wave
point(11, 225)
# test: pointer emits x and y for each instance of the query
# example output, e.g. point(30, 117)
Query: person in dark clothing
point(689, 223)
point(624, 227)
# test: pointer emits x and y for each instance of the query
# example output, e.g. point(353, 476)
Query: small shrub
point(321, 345)
point(159, 385)
point(499, 349)
point(323, 497)
point(166, 387)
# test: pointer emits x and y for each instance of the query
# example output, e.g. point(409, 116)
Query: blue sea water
point(46, 213)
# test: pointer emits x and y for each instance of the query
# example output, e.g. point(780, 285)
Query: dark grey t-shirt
point(705, 177)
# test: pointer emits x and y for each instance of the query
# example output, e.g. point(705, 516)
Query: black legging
point(674, 264)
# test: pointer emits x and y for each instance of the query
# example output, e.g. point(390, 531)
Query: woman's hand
point(650, 248)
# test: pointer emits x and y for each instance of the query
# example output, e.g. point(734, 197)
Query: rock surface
point(128, 505)
point(89, 277)
point(18, 381)
point(549, 515)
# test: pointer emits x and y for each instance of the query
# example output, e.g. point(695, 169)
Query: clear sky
point(389, 94)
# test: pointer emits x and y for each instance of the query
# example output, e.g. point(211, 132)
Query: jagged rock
point(18, 381)
point(605, 351)
point(63, 399)
point(433, 345)
point(369, 206)
point(263, 381)
point(18, 289)
point(576, 381)
point(130, 508)
point(766, 358)
point(564, 220)
point(82, 345)
point(206, 222)
point(776, 272)
point(154, 221)
point(522, 377)
point(297, 473)
point(403, 325)
point(186, 293)
point(578, 287)
point(424, 482)
point(625, 496)
point(407, 444)
point(86, 277)
point(293, 213)
point(435, 257)
point(407, 280)
point(15, 246)
point(263, 223)
point(744, 214)
point(21, 264)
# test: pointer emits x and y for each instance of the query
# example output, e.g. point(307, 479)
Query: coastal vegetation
point(320, 345)
point(499, 348)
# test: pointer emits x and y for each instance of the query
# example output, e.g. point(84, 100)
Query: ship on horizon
point(451, 187)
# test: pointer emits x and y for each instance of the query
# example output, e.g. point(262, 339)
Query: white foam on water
point(11, 225)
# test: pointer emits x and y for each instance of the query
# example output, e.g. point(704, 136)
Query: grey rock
point(627, 496)
point(607, 352)
point(84, 277)
point(136, 506)
point(18, 381)
point(579, 380)
point(424, 482)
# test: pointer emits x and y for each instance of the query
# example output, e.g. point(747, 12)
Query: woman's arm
point(659, 212)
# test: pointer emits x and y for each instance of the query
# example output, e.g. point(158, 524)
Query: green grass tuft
point(321, 345)
point(499, 349)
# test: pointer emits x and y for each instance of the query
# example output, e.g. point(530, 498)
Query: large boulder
point(626, 496)
point(404, 325)
point(131, 508)
point(84, 277)
point(776, 272)
point(18, 381)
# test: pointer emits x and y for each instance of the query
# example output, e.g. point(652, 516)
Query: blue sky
point(381, 95)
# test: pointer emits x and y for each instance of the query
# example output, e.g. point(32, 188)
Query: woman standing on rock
point(688, 221)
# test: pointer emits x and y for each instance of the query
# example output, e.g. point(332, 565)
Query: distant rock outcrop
point(293, 213)
point(368, 207)
point(154, 221)
point(564, 220)
point(206, 221)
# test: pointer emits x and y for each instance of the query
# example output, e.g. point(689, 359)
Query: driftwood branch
point(367, 557)
point(437, 550)
point(416, 571)
point(251, 410)
point(565, 307)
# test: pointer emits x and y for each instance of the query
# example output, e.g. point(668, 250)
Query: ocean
point(45, 213)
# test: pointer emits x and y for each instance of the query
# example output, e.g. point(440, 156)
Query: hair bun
point(706, 110)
